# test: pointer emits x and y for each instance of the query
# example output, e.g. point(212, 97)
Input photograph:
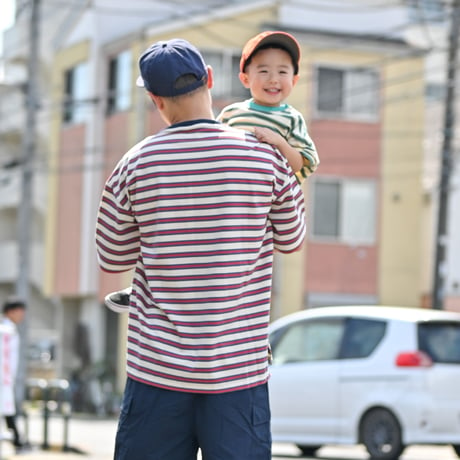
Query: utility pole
point(446, 164)
point(25, 219)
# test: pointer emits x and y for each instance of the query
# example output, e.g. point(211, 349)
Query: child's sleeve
point(223, 115)
point(301, 140)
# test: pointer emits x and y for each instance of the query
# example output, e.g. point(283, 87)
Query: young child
point(269, 68)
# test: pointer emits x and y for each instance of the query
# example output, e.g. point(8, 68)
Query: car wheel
point(308, 451)
point(381, 434)
point(457, 449)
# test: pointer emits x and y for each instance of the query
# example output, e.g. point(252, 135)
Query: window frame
point(431, 11)
point(342, 236)
point(74, 110)
point(227, 76)
point(346, 113)
point(119, 90)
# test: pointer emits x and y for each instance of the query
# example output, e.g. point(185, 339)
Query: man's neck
point(196, 107)
point(191, 115)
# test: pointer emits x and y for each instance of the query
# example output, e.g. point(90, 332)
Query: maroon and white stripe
point(197, 210)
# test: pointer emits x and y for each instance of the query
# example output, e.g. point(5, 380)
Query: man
point(14, 311)
point(196, 210)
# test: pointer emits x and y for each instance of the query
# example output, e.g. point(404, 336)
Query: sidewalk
point(89, 438)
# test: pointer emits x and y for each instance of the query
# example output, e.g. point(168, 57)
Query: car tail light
point(413, 359)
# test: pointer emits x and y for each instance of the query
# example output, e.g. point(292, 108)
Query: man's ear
point(210, 77)
point(157, 100)
point(244, 79)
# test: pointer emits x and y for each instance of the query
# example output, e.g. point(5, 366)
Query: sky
point(6, 18)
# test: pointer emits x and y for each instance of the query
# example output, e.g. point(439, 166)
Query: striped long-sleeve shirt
point(197, 210)
point(284, 120)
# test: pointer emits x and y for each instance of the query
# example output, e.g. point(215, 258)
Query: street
point(92, 438)
point(284, 452)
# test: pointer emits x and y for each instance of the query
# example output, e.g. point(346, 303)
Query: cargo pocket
point(261, 413)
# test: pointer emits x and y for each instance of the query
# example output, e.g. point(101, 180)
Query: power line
point(378, 62)
point(307, 79)
point(204, 8)
point(398, 80)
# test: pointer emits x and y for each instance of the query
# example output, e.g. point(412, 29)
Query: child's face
point(269, 76)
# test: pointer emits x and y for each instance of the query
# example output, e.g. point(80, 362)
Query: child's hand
point(293, 156)
point(268, 136)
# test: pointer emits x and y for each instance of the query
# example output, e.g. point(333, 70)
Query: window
point(344, 210)
point(347, 93)
point(119, 85)
point(435, 92)
point(361, 337)
point(316, 340)
point(226, 68)
point(441, 340)
point(76, 94)
point(427, 10)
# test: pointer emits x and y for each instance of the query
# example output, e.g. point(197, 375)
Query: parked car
point(385, 377)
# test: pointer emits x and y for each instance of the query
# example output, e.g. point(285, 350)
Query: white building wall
point(453, 259)
point(371, 17)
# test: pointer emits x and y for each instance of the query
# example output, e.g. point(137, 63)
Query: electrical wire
point(390, 83)
point(207, 7)
point(305, 80)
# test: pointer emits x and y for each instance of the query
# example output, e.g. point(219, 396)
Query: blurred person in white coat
point(14, 311)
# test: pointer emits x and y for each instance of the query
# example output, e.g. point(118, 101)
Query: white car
point(385, 377)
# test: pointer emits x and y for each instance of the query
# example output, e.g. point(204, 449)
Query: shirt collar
point(263, 108)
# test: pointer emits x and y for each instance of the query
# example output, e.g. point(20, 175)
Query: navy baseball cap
point(165, 61)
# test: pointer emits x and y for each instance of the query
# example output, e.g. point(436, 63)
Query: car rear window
point(441, 341)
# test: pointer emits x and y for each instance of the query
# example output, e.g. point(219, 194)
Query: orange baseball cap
point(267, 38)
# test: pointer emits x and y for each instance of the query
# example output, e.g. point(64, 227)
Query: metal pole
point(25, 212)
point(28, 155)
point(446, 165)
